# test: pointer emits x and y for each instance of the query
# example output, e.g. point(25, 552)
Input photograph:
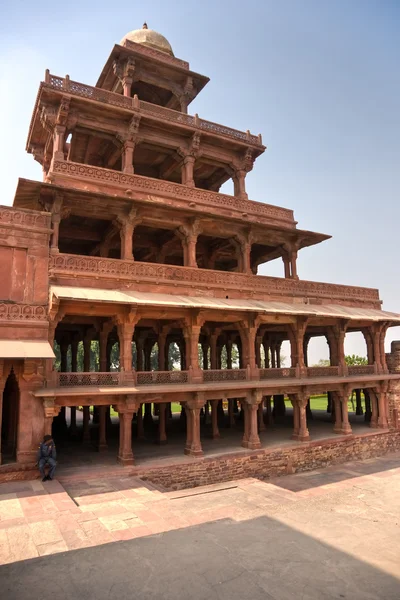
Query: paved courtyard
point(332, 533)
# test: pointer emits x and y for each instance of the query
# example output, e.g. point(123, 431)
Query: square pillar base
point(125, 460)
point(254, 445)
point(194, 453)
point(301, 438)
point(102, 447)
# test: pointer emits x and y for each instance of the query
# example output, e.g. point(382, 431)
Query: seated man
point(47, 456)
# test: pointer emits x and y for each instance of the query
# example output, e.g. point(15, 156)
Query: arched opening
point(9, 423)
point(317, 352)
point(355, 349)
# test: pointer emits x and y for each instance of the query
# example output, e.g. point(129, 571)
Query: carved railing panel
point(174, 190)
point(277, 373)
point(22, 312)
point(89, 379)
point(322, 371)
point(146, 108)
point(26, 218)
point(274, 286)
point(214, 375)
point(161, 377)
point(361, 370)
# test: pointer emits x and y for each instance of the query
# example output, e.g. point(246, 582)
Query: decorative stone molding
point(28, 219)
point(274, 286)
point(156, 186)
point(23, 312)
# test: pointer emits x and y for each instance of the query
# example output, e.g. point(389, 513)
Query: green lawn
point(316, 403)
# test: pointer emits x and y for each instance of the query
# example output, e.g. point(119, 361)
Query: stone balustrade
point(147, 109)
point(143, 378)
point(107, 270)
point(125, 184)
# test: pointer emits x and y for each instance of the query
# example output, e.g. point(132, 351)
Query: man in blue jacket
point(47, 455)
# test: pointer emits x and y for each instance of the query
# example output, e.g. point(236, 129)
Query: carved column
point(251, 439)
point(162, 435)
point(126, 233)
point(303, 434)
point(193, 442)
point(337, 428)
point(125, 335)
point(187, 171)
point(374, 408)
point(139, 353)
point(214, 419)
point(127, 157)
point(239, 184)
point(296, 416)
point(58, 142)
point(162, 338)
point(382, 416)
point(74, 367)
point(213, 350)
point(102, 429)
point(258, 351)
point(286, 264)
point(344, 398)
point(266, 353)
point(125, 454)
point(86, 424)
point(293, 264)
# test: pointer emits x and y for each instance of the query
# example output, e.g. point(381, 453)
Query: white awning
point(25, 349)
point(151, 299)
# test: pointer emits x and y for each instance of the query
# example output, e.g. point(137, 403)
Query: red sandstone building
point(129, 241)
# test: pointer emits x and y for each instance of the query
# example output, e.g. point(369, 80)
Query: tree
point(355, 360)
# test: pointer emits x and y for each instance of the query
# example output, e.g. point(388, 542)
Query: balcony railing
point(277, 373)
point(143, 378)
point(64, 265)
point(161, 377)
point(323, 371)
point(123, 182)
point(82, 90)
point(216, 375)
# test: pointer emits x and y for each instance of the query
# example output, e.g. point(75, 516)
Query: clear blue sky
point(319, 79)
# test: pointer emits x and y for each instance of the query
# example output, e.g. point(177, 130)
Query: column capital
point(196, 402)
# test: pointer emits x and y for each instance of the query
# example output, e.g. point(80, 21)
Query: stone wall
point(272, 463)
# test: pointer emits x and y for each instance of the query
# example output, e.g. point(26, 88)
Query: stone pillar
point(127, 86)
point(205, 346)
point(58, 143)
point(187, 171)
point(239, 183)
point(382, 416)
point(103, 341)
point(266, 354)
point(86, 424)
point(87, 340)
point(346, 427)
point(73, 430)
point(193, 442)
point(300, 418)
point(261, 425)
point(251, 415)
point(359, 409)
point(127, 157)
point(213, 350)
point(374, 408)
point(286, 264)
point(102, 429)
point(231, 413)
point(125, 336)
point(139, 353)
point(293, 264)
point(257, 350)
point(228, 347)
point(139, 421)
point(214, 419)
point(368, 412)
point(56, 219)
point(162, 435)
point(337, 428)
point(162, 338)
point(125, 454)
point(126, 234)
point(296, 416)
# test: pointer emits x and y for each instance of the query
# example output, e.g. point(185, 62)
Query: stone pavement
point(325, 534)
